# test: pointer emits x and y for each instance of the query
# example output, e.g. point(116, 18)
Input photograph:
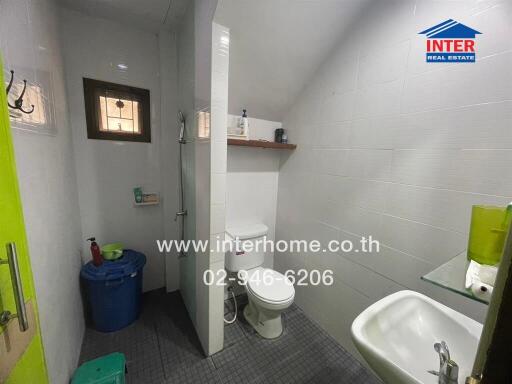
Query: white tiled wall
point(218, 154)
point(107, 171)
point(252, 180)
point(394, 147)
point(209, 171)
point(29, 44)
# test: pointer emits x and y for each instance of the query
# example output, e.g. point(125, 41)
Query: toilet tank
point(236, 261)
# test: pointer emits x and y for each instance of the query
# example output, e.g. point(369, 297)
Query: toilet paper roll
point(481, 290)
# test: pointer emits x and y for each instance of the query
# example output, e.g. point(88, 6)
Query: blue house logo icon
point(450, 42)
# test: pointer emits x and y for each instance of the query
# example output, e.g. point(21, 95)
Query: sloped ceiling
point(151, 15)
point(275, 47)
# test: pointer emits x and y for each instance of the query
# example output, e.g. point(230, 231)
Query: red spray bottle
point(97, 260)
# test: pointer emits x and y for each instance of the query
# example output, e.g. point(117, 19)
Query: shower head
point(181, 121)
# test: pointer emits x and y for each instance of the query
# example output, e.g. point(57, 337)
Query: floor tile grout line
point(213, 362)
point(160, 350)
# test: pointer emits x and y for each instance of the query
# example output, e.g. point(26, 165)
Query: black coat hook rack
point(18, 103)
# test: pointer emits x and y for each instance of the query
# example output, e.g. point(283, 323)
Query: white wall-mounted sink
point(396, 336)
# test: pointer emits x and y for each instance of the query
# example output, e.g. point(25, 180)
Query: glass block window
point(33, 96)
point(116, 112)
point(203, 124)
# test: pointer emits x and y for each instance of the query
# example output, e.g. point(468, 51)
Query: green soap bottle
point(488, 231)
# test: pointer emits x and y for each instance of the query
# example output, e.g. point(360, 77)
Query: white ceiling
point(151, 15)
point(276, 45)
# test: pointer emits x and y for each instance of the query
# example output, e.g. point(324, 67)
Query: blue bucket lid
point(130, 262)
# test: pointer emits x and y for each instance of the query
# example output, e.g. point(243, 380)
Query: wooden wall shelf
point(260, 144)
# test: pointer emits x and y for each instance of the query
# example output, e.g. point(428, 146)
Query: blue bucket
point(114, 290)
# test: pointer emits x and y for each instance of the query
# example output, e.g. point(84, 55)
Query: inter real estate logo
point(450, 42)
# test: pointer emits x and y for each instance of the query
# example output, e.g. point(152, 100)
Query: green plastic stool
point(109, 369)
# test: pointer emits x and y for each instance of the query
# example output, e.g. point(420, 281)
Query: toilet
point(269, 292)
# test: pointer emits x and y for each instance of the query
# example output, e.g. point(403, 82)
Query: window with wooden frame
point(116, 112)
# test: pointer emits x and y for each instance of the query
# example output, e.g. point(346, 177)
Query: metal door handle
point(21, 311)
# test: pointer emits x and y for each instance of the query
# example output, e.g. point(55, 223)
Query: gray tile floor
point(162, 348)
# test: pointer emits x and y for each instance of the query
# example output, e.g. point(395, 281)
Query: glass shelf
point(452, 276)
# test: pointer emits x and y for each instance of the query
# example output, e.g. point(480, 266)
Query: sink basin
point(396, 336)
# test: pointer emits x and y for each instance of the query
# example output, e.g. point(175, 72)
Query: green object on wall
point(108, 369)
point(488, 231)
point(31, 366)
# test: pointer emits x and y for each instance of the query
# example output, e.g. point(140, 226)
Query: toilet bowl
point(267, 300)
point(268, 291)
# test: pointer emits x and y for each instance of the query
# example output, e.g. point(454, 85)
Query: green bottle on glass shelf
point(488, 232)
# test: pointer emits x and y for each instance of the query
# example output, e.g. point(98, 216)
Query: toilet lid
point(247, 231)
point(279, 289)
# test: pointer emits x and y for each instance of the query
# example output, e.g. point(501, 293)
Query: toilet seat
point(279, 291)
